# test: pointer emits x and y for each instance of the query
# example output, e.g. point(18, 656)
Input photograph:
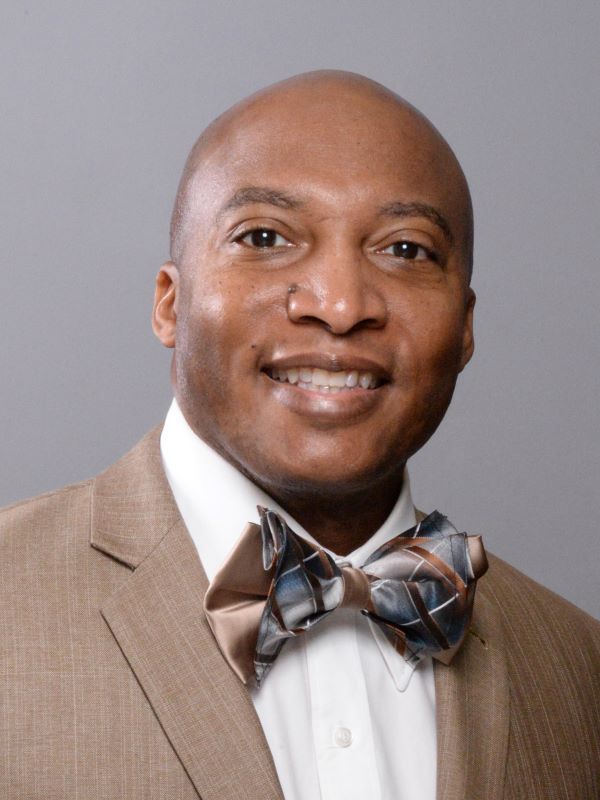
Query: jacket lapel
point(473, 706)
point(157, 618)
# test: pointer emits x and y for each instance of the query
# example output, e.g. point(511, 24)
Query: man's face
point(322, 308)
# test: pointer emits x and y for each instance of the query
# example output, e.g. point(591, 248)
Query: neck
point(342, 522)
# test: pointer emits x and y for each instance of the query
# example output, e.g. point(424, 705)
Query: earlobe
point(468, 342)
point(164, 312)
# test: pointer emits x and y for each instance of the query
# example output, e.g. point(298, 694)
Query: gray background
point(100, 103)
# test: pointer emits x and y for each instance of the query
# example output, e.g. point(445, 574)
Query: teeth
point(352, 379)
point(321, 380)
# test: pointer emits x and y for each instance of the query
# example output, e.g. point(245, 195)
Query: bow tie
point(418, 587)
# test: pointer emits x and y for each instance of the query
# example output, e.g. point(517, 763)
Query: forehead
point(352, 153)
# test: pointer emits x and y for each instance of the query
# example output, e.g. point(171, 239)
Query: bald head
point(332, 108)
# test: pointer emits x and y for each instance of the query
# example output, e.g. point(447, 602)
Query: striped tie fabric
point(418, 587)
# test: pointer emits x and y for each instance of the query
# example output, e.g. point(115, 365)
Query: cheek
point(434, 348)
point(215, 335)
point(201, 350)
point(446, 348)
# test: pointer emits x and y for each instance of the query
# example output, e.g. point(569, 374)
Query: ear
point(468, 342)
point(164, 312)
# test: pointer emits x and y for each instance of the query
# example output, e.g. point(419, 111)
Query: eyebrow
point(398, 209)
point(260, 194)
point(264, 194)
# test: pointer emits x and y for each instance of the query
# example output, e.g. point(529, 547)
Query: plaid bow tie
point(418, 587)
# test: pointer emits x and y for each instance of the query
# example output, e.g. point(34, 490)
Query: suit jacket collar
point(132, 504)
point(157, 618)
point(473, 707)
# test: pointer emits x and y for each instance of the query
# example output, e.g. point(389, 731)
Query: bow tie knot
point(357, 588)
point(418, 587)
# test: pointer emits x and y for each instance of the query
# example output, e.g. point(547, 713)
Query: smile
point(315, 379)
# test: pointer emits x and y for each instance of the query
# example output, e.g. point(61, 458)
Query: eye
point(410, 251)
point(263, 238)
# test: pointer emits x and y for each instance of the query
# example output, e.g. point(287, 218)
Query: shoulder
point(44, 541)
point(539, 625)
point(51, 512)
point(517, 594)
point(54, 515)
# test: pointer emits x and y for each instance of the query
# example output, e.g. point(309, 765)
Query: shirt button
point(342, 737)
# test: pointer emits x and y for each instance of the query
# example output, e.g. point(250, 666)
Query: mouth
point(351, 378)
point(323, 381)
point(328, 389)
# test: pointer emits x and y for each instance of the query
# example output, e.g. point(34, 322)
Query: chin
point(320, 477)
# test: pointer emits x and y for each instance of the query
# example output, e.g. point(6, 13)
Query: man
point(318, 303)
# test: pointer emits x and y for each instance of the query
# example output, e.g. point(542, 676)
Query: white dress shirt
point(342, 714)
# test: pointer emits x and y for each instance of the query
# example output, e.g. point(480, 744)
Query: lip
point(325, 409)
point(332, 362)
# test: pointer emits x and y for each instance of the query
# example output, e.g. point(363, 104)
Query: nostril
point(307, 319)
point(337, 313)
point(345, 327)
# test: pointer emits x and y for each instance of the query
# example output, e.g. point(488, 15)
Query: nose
point(338, 292)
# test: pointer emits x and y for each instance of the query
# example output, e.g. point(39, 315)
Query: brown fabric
point(357, 589)
point(111, 685)
point(237, 631)
point(138, 704)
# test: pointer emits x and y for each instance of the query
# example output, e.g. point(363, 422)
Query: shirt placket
point(340, 714)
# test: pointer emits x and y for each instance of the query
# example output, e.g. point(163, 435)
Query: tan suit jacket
point(111, 685)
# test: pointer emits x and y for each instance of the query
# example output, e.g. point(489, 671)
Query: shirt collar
point(216, 500)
